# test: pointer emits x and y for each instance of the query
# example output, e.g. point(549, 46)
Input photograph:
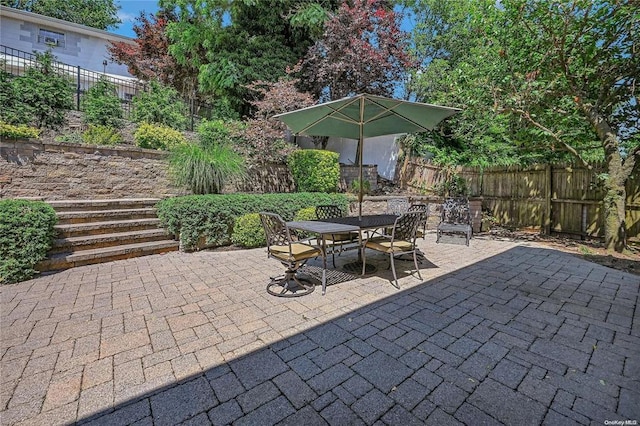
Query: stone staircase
point(98, 231)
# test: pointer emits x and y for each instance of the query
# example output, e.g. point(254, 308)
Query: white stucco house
point(23, 33)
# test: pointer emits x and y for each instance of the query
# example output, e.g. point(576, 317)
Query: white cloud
point(126, 17)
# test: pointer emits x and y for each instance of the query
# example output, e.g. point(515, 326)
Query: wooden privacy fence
point(560, 198)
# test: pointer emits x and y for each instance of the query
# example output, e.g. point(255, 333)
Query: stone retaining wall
point(53, 170)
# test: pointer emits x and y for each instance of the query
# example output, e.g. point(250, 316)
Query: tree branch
point(525, 114)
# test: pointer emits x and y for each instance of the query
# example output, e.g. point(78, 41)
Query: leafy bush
point(355, 186)
point(205, 169)
point(13, 110)
point(315, 170)
point(101, 104)
point(14, 132)
point(220, 132)
point(101, 135)
point(26, 234)
point(71, 137)
point(158, 137)
point(213, 216)
point(248, 231)
point(308, 213)
point(44, 94)
point(160, 105)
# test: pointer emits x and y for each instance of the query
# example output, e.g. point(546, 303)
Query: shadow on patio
point(524, 337)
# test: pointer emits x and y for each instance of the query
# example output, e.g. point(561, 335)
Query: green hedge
point(213, 216)
point(315, 170)
point(248, 231)
point(152, 136)
point(26, 234)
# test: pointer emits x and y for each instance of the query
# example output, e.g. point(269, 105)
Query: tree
point(234, 43)
point(149, 58)
point(44, 94)
point(101, 104)
point(263, 137)
point(160, 105)
point(362, 49)
point(560, 75)
point(101, 14)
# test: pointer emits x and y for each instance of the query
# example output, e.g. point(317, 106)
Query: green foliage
point(248, 231)
point(101, 14)
point(219, 132)
point(71, 137)
point(315, 170)
point(160, 105)
point(101, 104)
point(453, 186)
point(232, 44)
point(13, 111)
point(101, 135)
point(10, 131)
point(213, 216)
point(205, 169)
point(355, 186)
point(307, 213)
point(26, 234)
point(44, 94)
point(152, 136)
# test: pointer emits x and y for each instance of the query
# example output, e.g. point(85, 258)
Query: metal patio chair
point(291, 253)
point(336, 242)
point(402, 241)
point(455, 218)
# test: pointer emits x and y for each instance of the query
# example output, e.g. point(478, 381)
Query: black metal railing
point(16, 62)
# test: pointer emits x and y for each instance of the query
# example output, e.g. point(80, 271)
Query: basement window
point(51, 38)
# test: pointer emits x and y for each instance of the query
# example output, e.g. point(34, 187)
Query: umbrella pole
point(359, 154)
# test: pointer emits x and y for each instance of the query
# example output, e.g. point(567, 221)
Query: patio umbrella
point(364, 116)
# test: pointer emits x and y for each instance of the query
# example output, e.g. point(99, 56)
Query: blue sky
point(129, 10)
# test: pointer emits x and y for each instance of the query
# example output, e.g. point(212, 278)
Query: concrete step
point(85, 216)
point(87, 242)
point(105, 254)
point(124, 203)
point(107, 227)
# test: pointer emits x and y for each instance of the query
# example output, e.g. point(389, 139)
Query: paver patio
point(495, 333)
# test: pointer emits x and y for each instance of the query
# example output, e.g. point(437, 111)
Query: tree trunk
point(618, 171)
point(615, 198)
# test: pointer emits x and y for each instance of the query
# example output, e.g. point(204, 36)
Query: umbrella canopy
point(363, 116)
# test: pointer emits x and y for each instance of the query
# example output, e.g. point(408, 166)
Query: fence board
point(525, 197)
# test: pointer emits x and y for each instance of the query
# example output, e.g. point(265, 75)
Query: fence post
point(546, 228)
point(78, 91)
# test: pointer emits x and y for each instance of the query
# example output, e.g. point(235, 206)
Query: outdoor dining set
point(394, 233)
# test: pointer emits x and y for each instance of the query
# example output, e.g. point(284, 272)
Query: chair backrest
point(397, 206)
point(328, 212)
point(406, 226)
point(456, 211)
point(419, 207)
point(275, 229)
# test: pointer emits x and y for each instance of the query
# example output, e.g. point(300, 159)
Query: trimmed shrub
point(308, 213)
point(315, 170)
point(101, 135)
point(213, 216)
point(248, 231)
point(26, 234)
point(101, 104)
point(10, 131)
point(160, 105)
point(153, 136)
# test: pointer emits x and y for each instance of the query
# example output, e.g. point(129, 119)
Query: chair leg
point(415, 262)
point(364, 261)
point(393, 268)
